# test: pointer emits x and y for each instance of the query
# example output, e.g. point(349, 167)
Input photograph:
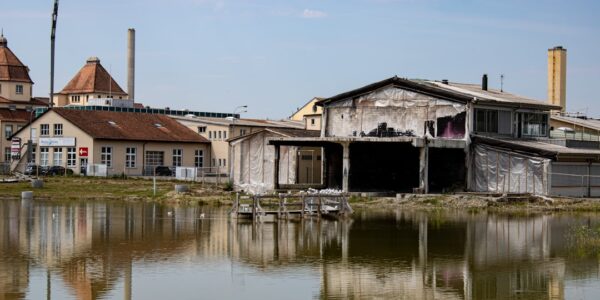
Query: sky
point(274, 56)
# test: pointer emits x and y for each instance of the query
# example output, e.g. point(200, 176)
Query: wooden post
point(279, 211)
point(319, 208)
point(276, 168)
point(254, 208)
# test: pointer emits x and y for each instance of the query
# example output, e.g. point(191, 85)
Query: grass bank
point(129, 189)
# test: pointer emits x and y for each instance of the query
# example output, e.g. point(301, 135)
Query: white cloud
point(313, 14)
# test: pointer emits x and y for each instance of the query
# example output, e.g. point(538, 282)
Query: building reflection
point(92, 248)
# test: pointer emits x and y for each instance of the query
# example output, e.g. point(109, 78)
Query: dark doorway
point(333, 169)
point(383, 167)
point(447, 170)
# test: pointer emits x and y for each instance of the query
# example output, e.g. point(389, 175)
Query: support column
point(424, 168)
point(324, 168)
point(276, 168)
point(346, 168)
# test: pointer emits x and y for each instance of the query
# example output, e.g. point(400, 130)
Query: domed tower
point(15, 83)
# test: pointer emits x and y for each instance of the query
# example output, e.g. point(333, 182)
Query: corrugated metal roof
point(587, 123)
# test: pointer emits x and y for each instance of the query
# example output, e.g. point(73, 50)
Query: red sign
point(83, 151)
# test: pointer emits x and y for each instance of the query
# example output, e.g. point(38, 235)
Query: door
point(83, 162)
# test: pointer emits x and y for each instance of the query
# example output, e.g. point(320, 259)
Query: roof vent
point(93, 59)
point(157, 125)
point(445, 81)
point(112, 123)
point(484, 82)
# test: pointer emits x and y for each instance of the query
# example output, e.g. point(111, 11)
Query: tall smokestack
point(557, 76)
point(131, 64)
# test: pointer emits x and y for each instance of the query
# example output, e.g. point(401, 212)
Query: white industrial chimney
point(131, 64)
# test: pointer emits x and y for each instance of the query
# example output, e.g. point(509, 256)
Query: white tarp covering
point(398, 108)
point(254, 160)
point(498, 171)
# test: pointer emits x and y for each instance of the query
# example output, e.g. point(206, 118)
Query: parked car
point(56, 170)
point(163, 171)
point(33, 169)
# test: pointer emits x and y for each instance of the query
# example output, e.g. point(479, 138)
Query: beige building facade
point(310, 114)
point(219, 130)
point(125, 143)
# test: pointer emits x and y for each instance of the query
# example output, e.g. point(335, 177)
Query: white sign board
point(182, 173)
point(98, 170)
point(57, 142)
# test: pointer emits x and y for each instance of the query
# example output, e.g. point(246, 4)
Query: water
point(115, 250)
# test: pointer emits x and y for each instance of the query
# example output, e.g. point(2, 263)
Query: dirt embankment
point(480, 202)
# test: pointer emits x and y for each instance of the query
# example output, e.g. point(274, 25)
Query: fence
point(575, 179)
point(572, 135)
point(204, 175)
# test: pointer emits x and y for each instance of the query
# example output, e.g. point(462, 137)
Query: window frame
point(45, 132)
point(57, 160)
point(199, 158)
point(44, 156)
point(19, 89)
point(57, 129)
point(71, 157)
point(177, 157)
point(7, 126)
point(130, 157)
point(106, 153)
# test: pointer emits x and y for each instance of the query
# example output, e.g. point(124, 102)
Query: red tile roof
point(92, 78)
point(11, 68)
point(33, 101)
point(19, 115)
point(130, 126)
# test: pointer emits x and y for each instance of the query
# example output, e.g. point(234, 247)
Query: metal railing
point(578, 136)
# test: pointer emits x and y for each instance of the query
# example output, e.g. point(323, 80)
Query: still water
point(114, 250)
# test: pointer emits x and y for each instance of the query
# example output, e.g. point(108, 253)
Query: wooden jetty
point(284, 206)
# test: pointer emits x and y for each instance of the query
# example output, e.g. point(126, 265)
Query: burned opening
point(446, 170)
point(383, 167)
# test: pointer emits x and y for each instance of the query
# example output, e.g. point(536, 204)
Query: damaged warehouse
point(420, 136)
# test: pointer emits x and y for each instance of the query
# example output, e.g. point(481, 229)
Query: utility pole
point(52, 38)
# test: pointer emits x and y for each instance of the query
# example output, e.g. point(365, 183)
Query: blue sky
point(213, 55)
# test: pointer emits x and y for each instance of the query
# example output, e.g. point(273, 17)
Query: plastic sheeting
point(254, 161)
point(400, 109)
point(498, 171)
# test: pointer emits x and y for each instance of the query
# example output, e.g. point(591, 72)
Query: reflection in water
point(93, 250)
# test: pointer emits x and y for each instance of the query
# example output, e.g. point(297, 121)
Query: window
point(0, 88)
point(76, 99)
point(213, 162)
point(224, 162)
point(106, 156)
point(242, 131)
point(57, 157)
point(58, 129)
point(201, 129)
point(19, 89)
point(486, 120)
point(44, 156)
point(130, 157)
point(198, 158)
point(7, 154)
point(219, 162)
point(535, 124)
point(225, 134)
point(210, 134)
point(155, 158)
point(219, 134)
point(312, 121)
point(44, 129)
point(71, 157)
point(8, 131)
point(177, 156)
